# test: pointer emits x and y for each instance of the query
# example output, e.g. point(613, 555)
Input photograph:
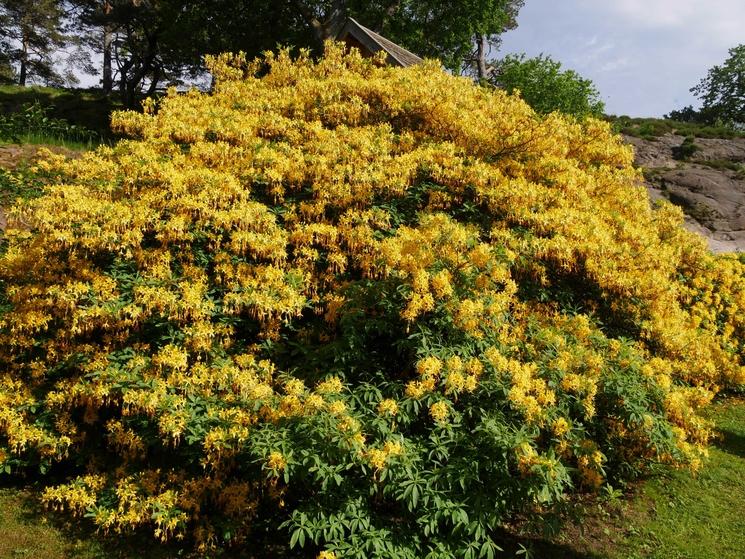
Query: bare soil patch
point(13, 156)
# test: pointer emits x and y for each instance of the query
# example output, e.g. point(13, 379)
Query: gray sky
point(643, 55)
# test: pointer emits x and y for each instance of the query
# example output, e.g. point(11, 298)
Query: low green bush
point(652, 128)
point(686, 149)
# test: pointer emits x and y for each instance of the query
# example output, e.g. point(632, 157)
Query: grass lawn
point(669, 516)
point(673, 515)
point(679, 517)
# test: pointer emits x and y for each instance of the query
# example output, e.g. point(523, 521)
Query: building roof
point(374, 43)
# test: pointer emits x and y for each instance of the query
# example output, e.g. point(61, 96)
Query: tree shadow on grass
point(731, 443)
point(78, 538)
point(56, 535)
point(539, 548)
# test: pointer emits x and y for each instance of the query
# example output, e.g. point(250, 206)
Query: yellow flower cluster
point(276, 461)
point(439, 411)
point(388, 407)
point(378, 457)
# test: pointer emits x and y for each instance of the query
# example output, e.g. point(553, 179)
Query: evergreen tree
point(32, 32)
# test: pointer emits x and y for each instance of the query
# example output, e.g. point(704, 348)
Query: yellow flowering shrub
point(378, 310)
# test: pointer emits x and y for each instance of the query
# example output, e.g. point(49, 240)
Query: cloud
point(719, 21)
point(615, 64)
point(643, 55)
point(656, 13)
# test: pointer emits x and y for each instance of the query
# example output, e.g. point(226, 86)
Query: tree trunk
point(24, 59)
point(135, 72)
point(153, 89)
point(123, 71)
point(108, 76)
point(108, 40)
point(332, 22)
point(482, 45)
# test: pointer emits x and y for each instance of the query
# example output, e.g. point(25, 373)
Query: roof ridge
point(398, 53)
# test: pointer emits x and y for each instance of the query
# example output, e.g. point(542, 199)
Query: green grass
point(722, 164)
point(18, 184)
point(87, 108)
point(47, 140)
point(696, 518)
point(28, 531)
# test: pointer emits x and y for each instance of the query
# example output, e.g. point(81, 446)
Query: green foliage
point(86, 108)
point(686, 149)
point(7, 73)
point(548, 88)
point(33, 122)
point(722, 91)
point(686, 114)
point(165, 40)
point(722, 164)
point(22, 183)
point(646, 524)
point(31, 34)
point(652, 128)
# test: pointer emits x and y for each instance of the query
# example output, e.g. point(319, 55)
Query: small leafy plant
point(686, 149)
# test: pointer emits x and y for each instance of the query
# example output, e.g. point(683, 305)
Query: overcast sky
point(643, 55)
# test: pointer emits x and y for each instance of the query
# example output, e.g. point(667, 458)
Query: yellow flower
point(388, 407)
point(441, 284)
point(337, 408)
point(415, 389)
point(276, 461)
point(294, 387)
point(439, 411)
point(560, 427)
point(429, 367)
point(331, 385)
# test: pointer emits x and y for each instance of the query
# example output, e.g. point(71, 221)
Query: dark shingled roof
point(374, 43)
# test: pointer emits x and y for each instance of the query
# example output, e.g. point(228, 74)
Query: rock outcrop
point(709, 186)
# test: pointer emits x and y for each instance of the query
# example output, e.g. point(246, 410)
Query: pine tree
point(33, 32)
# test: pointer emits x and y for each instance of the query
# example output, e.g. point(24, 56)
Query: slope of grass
point(696, 518)
point(88, 108)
